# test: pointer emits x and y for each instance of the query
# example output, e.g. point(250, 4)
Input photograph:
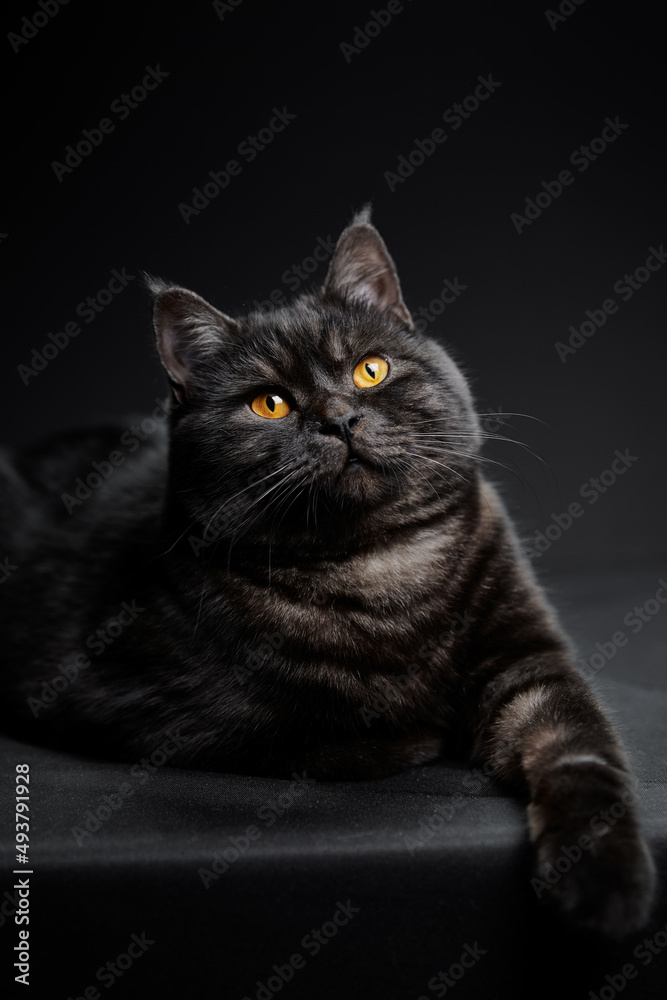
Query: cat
point(302, 531)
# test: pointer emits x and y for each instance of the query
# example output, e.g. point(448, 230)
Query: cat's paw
point(594, 867)
point(604, 883)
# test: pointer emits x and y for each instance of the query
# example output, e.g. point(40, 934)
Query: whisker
point(220, 509)
point(413, 468)
point(448, 468)
point(245, 488)
point(248, 518)
point(445, 435)
point(525, 483)
point(464, 454)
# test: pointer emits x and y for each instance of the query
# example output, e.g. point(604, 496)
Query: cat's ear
point(187, 330)
point(361, 269)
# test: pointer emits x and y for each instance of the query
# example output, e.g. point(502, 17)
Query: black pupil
point(271, 403)
point(371, 372)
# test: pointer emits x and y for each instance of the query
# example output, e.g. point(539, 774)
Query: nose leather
point(341, 426)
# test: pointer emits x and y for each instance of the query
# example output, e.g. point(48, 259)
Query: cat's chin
point(360, 481)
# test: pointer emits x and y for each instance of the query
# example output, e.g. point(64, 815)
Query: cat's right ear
point(362, 270)
point(188, 331)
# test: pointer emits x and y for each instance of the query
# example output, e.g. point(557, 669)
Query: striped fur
point(298, 610)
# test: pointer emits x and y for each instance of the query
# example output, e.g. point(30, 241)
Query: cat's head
point(327, 422)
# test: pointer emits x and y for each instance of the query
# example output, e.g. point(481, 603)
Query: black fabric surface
point(415, 908)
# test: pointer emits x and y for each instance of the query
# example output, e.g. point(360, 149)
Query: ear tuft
point(362, 270)
point(187, 330)
point(153, 284)
point(363, 215)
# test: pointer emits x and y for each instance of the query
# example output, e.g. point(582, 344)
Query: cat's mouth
point(351, 463)
point(356, 461)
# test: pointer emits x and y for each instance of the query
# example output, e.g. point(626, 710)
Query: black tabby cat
point(310, 534)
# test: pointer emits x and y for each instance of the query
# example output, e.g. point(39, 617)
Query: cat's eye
point(270, 405)
point(371, 371)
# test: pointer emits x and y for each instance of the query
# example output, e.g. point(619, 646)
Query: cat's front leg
point(539, 725)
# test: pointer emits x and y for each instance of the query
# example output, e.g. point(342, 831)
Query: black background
point(451, 218)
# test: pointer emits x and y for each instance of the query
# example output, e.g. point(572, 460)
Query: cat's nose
point(341, 426)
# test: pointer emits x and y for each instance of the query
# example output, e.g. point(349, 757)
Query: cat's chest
point(385, 595)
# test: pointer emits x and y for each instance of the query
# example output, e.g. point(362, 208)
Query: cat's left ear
point(361, 269)
point(188, 331)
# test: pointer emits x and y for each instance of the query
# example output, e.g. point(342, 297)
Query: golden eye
point(370, 371)
point(270, 405)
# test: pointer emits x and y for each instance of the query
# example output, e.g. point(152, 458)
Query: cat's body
point(308, 572)
point(316, 641)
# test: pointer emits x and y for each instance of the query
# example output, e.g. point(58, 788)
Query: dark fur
point(319, 589)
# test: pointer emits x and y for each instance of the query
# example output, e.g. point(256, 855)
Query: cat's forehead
point(308, 341)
